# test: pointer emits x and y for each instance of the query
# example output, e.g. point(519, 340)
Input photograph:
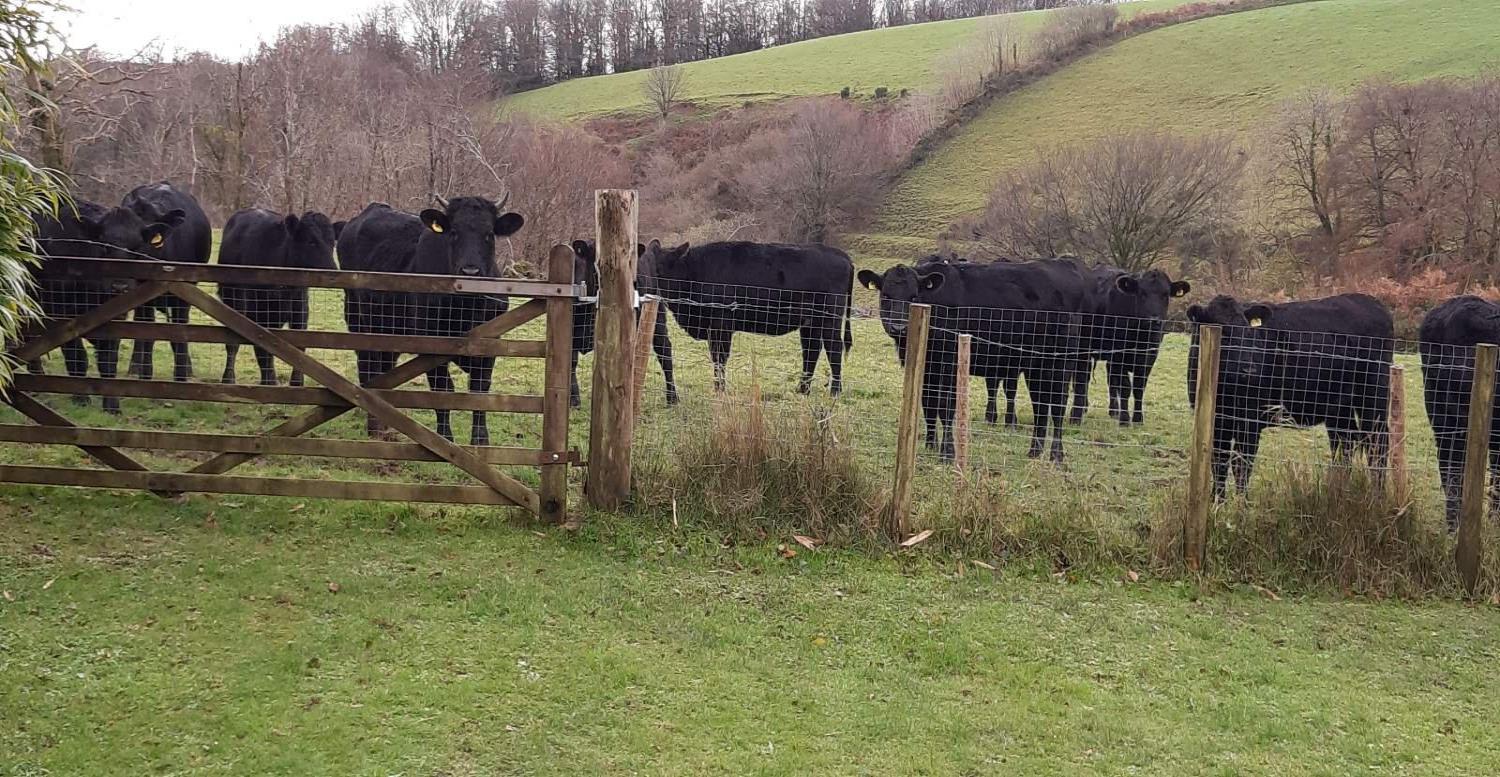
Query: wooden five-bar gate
point(334, 394)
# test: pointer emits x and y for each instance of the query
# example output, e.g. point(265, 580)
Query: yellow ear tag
point(1255, 322)
point(436, 227)
point(157, 240)
point(1179, 293)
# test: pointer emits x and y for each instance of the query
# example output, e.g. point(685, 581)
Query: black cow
point(1324, 361)
point(457, 240)
point(263, 238)
point(1448, 336)
point(585, 313)
point(190, 240)
point(1024, 319)
point(717, 289)
point(1124, 331)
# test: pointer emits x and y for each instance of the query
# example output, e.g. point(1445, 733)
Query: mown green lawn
point(897, 58)
point(1223, 74)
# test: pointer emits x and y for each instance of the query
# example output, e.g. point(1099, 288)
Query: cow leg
point(76, 362)
point(1057, 412)
point(1081, 378)
point(231, 355)
point(661, 343)
point(439, 379)
point(991, 388)
point(369, 365)
point(1138, 380)
point(833, 346)
point(297, 320)
point(141, 364)
point(1223, 450)
point(481, 372)
point(811, 342)
point(575, 397)
point(182, 360)
point(107, 355)
point(1040, 391)
point(267, 365)
point(718, 353)
point(1448, 431)
point(1011, 421)
point(1246, 446)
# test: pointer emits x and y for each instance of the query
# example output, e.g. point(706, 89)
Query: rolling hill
point(1226, 73)
point(898, 58)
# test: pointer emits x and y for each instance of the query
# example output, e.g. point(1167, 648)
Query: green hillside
point(1224, 73)
point(897, 58)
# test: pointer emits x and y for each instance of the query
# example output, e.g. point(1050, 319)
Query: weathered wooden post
point(644, 332)
point(558, 375)
point(917, 323)
point(1396, 431)
point(611, 424)
point(1201, 458)
point(1469, 552)
point(961, 406)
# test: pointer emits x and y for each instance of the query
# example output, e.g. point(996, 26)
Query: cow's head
point(459, 239)
point(1246, 351)
point(586, 264)
point(657, 262)
point(899, 287)
point(311, 236)
point(1146, 294)
point(121, 233)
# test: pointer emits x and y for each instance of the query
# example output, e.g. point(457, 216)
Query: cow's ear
point(654, 246)
point(640, 250)
point(1195, 313)
point(508, 224)
point(1181, 288)
point(291, 221)
point(682, 249)
point(931, 281)
point(581, 247)
point(436, 220)
point(338, 229)
point(174, 217)
point(1258, 315)
point(155, 235)
point(869, 279)
point(1128, 283)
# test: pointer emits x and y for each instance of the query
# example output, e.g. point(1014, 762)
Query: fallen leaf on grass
point(7, 596)
point(1266, 592)
point(48, 584)
point(1132, 576)
point(807, 542)
point(785, 551)
point(233, 504)
point(982, 565)
point(509, 727)
point(820, 640)
point(296, 507)
point(333, 588)
point(916, 539)
point(541, 534)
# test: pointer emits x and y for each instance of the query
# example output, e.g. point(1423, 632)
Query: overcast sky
point(228, 29)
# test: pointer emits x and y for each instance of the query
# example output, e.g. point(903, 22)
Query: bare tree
point(663, 89)
point(1122, 200)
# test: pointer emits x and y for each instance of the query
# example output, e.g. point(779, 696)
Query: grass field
point(234, 635)
point(896, 58)
point(1223, 74)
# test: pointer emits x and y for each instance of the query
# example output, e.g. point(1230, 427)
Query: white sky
point(226, 29)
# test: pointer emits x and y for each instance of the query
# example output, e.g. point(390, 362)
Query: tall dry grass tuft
point(754, 473)
point(1309, 526)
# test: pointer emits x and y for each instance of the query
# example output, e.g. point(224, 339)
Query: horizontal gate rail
point(341, 341)
point(265, 446)
point(270, 395)
point(178, 482)
point(237, 275)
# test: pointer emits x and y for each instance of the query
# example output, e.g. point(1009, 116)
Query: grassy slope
point(203, 638)
point(1227, 73)
point(897, 58)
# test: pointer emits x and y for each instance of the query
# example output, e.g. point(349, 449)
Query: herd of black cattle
point(1316, 362)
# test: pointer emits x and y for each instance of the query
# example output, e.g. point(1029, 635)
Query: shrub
point(881, 92)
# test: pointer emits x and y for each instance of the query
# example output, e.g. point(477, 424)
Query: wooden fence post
point(961, 406)
point(1201, 458)
point(1469, 553)
point(645, 331)
point(558, 376)
point(910, 420)
point(1396, 431)
point(611, 425)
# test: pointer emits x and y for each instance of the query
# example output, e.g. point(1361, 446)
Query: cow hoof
point(671, 398)
point(268, 382)
point(80, 400)
point(1035, 452)
point(574, 401)
point(227, 379)
point(112, 408)
point(479, 439)
point(296, 382)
